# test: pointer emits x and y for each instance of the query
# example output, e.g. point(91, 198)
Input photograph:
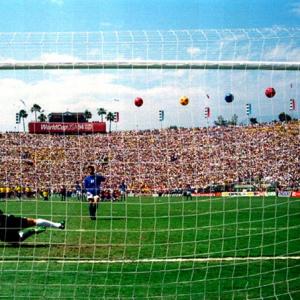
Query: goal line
point(155, 260)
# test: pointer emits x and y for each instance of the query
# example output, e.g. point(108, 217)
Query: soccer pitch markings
point(157, 260)
point(149, 248)
point(236, 226)
point(199, 228)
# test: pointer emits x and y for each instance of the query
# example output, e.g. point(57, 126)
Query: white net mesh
point(211, 208)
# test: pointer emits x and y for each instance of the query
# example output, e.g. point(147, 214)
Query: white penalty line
point(225, 228)
point(157, 260)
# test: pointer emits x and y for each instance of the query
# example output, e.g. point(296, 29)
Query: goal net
point(195, 134)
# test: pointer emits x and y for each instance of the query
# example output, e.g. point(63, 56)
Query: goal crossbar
point(194, 65)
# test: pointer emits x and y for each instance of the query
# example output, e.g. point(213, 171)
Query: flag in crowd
point(116, 117)
point(207, 112)
point(161, 115)
point(248, 109)
point(292, 104)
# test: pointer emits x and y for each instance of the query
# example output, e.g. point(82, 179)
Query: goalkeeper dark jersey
point(10, 227)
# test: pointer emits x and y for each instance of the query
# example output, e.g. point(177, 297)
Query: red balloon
point(138, 101)
point(270, 92)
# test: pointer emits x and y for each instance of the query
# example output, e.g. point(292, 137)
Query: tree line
point(39, 115)
point(282, 117)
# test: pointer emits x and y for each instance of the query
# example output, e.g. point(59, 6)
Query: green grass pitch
point(157, 248)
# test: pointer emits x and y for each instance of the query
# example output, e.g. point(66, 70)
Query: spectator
point(156, 160)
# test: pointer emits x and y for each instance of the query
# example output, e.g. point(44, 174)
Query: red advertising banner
point(67, 128)
point(296, 194)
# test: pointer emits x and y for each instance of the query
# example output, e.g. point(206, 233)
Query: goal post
point(163, 65)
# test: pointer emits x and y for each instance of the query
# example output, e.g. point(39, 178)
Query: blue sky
point(75, 90)
point(93, 15)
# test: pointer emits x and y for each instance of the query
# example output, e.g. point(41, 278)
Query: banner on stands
point(238, 194)
point(296, 194)
point(284, 194)
point(206, 194)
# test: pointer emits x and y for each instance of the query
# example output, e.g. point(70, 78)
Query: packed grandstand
point(261, 156)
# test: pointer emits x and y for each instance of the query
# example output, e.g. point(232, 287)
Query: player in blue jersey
point(92, 186)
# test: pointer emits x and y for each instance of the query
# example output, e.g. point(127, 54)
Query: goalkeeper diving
point(17, 229)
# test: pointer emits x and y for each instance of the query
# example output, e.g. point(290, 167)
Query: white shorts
point(90, 196)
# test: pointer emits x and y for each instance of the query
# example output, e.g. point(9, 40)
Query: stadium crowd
point(153, 160)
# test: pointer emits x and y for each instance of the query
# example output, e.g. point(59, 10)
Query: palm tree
point(42, 117)
point(101, 112)
point(110, 117)
point(221, 121)
point(234, 120)
point(87, 114)
point(34, 109)
point(23, 114)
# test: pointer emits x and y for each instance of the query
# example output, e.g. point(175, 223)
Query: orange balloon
point(184, 100)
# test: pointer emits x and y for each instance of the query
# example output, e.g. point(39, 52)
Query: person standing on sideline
point(123, 190)
point(63, 193)
point(78, 191)
point(187, 193)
